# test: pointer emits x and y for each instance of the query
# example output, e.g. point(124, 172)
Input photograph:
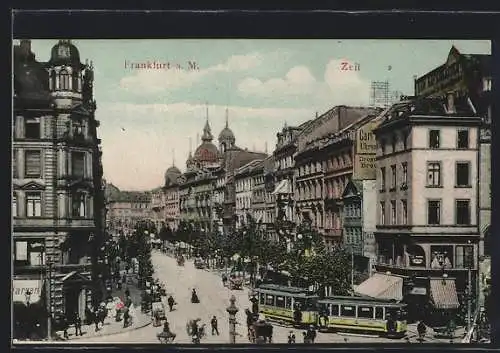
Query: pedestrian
point(78, 325)
point(64, 322)
point(96, 319)
point(215, 329)
point(291, 338)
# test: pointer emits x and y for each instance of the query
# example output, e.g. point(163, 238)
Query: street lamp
point(232, 309)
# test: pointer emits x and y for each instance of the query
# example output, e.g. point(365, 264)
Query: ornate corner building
point(57, 200)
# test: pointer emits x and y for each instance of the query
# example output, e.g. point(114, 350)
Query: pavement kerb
point(143, 324)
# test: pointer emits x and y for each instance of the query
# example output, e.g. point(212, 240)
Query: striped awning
point(382, 286)
point(444, 293)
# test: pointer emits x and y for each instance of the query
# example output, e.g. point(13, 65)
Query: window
point(462, 174)
point(33, 204)
point(379, 312)
point(365, 312)
point(464, 256)
point(78, 205)
point(14, 206)
point(404, 176)
point(393, 212)
point(14, 164)
point(288, 302)
point(404, 212)
point(382, 212)
point(393, 177)
point(434, 174)
point(32, 128)
point(463, 212)
point(270, 300)
point(433, 212)
point(33, 164)
point(78, 164)
point(64, 80)
point(463, 139)
point(347, 311)
point(382, 179)
point(434, 139)
point(280, 302)
point(29, 252)
point(334, 310)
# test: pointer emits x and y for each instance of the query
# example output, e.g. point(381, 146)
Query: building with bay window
point(57, 200)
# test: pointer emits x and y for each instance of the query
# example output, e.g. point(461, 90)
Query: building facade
point(470, 75)
point(171, 203)
point(244, 180)
point(427, 228)
point(57, 181)
point(125, 209)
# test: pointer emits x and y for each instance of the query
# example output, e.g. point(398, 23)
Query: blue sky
point(147, 115)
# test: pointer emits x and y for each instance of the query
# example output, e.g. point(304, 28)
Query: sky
point(149, 115)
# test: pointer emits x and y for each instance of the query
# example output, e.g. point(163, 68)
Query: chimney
point(450, 103)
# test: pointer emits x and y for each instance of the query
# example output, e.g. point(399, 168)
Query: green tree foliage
point(311, 263)
point(140, 241)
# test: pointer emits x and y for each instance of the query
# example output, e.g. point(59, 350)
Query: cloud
point(138, 139)
point(338, 86)
point(297, 81)
point(147, 81)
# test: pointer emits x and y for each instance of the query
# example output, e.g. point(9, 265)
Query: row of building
point(405, 187)
point(58, 192)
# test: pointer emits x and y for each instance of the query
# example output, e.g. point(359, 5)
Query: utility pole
point(469, 298)
point(352, 270)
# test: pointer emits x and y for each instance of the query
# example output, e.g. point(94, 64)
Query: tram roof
point(360, 300)
point(287, 289)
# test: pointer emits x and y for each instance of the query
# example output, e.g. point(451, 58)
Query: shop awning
point(21, 286)
point(382, 286)
point(444, 293)
point(282, 188)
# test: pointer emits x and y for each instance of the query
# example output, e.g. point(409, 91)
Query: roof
point(129, 196)
point(252, 166)
point(277, 287)
point(65, 53)
point(31, 80)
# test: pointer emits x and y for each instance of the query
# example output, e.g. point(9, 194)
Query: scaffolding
point(379, 94)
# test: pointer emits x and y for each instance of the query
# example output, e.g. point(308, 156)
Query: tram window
point(348, 311)
point(270, 300)
point(334, 310)
point(280, 302)
point(262, 298)
point(365, 312)
point(394, 313)
point(379, 312)
point(300, 302)
point(310, 305)
point(288, 302)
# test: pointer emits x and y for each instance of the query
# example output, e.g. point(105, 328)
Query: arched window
point(64, 80)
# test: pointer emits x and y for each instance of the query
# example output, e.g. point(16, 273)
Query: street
point(214, 299)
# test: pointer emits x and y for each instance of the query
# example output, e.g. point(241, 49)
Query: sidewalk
point(111, 327)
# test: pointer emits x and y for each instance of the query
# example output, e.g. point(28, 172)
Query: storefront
point(76, 290)
point(29, 311)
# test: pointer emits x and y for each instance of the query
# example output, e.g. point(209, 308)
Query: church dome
point(171, 175)
point(206, 152)
point(226, 134)
point(64, 53)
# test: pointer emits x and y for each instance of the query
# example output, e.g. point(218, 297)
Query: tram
point(290, 305)
point(362, 314)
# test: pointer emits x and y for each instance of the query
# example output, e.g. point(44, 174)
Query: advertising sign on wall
point(365, 152)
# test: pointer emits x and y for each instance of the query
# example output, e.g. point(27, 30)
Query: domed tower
point(189, 161)
point(207, 152)
point(226, 137)
point(69, 79)
point(172, 173)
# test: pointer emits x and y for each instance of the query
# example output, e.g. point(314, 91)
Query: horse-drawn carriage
point(158, 310)
point(180, 260)
point(235, 280)
point(260, 332)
